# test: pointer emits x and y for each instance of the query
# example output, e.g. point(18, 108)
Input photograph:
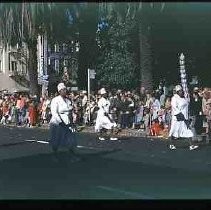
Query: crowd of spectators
point(144, 110)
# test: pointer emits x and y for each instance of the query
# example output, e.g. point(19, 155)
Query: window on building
point(64, 47)
point(72, 46)
point(49, 48)
point(57, 48)
point(24, 71)
point(57, 65)
point(13, 66)
point(77, 46)
point(0, 67)
point(65, 62)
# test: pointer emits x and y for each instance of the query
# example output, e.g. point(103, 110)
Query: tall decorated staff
point(183, 75)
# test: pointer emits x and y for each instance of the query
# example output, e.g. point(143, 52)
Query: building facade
point(63, 63)
point(55, 63)
point(13, 69)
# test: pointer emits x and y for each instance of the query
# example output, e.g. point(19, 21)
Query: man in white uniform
point(104, 120)
point(179, 124)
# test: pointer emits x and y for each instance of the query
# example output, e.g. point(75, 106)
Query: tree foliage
point(116, 65)
point(23, 22)
point(136, 18)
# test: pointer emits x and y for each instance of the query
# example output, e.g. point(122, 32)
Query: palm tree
point(144, 15)
point(23, 22)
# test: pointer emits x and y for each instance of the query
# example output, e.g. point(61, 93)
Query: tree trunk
point(87, 54)
point(145, 54)
point(32, 69)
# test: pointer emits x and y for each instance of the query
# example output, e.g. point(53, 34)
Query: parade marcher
point(103, 120)
point(60, 123)
point(180, 127)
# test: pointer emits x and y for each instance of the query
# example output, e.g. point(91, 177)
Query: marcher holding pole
point(61, 122)
point(180, 126)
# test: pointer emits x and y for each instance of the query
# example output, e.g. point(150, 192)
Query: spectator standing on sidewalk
point(84, 101)
point(209, 119)
point(142, 95)
point(139, 115)
point(196, 112)
point(205, 99)
point(33, 113)
point(179, 124)
point(5, 112)
point(155, 106)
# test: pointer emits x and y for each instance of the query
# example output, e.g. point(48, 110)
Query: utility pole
point(91, 75)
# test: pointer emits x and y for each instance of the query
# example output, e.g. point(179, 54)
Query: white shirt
point(178, 105)
point(61, 106)
point(103, 105)
point(179, 128)
point(84, 100)
point(155, 107)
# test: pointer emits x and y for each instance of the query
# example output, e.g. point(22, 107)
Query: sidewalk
point(90, 129)
point(123, 133)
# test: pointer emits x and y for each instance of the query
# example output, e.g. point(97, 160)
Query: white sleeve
point(175, 109)
point(100, 104)
point(54, 110)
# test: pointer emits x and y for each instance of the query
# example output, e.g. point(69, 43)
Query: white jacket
point(61, 106)
point(103, 121)
point(103, 105)
point(178, 105)
point(179, 128)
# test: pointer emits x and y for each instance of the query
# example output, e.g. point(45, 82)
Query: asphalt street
point(130, 168)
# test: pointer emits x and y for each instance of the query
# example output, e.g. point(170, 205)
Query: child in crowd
point(139, 114)
point(147, 120)
point(156, 128)
point(208, 116)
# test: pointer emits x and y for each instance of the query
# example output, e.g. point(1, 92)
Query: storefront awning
point(7, 83)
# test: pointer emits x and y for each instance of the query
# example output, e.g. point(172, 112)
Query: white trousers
point(103, 122)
